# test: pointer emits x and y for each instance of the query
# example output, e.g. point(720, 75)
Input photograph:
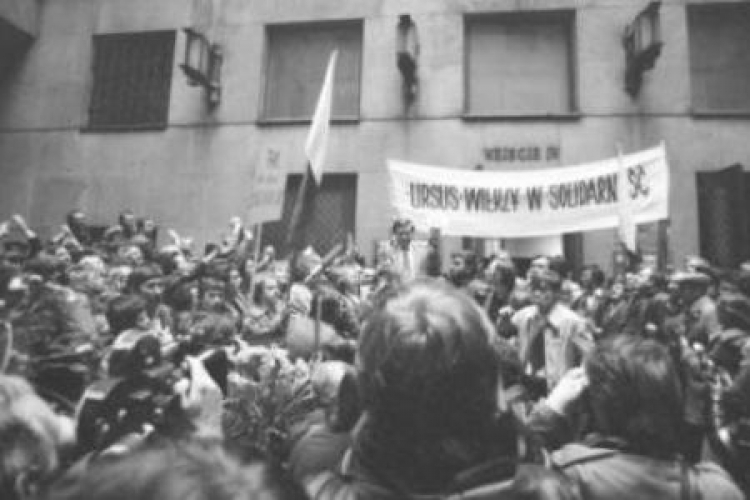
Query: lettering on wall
point(522, 154)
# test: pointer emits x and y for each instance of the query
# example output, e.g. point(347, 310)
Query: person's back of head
point(172, 471)
point(636, 395)
point(429, 376)
point(124, 312)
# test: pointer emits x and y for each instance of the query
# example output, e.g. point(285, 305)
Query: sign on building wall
point(516, 204)
point(531, 153)
point(267, 184)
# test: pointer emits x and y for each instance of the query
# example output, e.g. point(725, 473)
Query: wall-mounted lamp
point(407, 53)
point(202, 64)
point(642, 42)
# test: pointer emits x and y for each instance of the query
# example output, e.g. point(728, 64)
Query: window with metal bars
point(132, 78)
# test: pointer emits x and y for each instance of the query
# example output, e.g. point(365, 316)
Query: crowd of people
point(136, 369)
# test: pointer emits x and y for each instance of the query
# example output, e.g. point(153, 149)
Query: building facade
point(96, 112)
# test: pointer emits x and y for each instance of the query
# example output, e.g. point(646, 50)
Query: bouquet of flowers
point(268, 396)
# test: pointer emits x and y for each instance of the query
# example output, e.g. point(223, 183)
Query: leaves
point(268, 395)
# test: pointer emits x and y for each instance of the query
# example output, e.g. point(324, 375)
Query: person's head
point(15, 253)
point(546, 287)
point(132, 255)
point(269, 253)
point(539, 264)
point(147, 281)
point(403, 232)
point(31, 436)
point(147, 225)
point(128, 222)
point(266, 289)
point(635, 395)
point(691, 286)
point(426, 367)
point(463, 267)
point(127, 312)
point(117, 278)
point(734, 312)
point(617, 289)
point(76, 219)
point(213, 294)
point(234, 280)
point(502, 278)
point(174, 471)
point(592, 277)
point(61, 253)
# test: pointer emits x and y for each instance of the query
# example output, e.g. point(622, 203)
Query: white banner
point(267, 183)
point(533, 203)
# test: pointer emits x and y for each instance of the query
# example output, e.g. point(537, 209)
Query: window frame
point(570, 18)
point(263, 118)
point(694, 9)
point(132, 127)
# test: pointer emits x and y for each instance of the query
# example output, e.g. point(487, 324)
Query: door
point(722, 216)
point(334, 214)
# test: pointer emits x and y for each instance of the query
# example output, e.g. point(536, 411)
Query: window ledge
point(473, 117)
point(144, 127)
point(273, 122)
point(708, 114)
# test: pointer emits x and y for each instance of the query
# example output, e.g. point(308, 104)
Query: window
point(719, 37)
point(297, 60)
point(132, 80)
point(520, 64)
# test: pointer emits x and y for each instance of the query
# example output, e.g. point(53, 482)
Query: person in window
point(633, 394)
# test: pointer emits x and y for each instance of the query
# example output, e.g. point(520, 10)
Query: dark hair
point(44, 266)
point(635, 394)
point(171, 471)
point(428, 374)
point(123, 312)
point(260, 286)
point(498, 271)
point(597, 275)
point(142, 274)
point(559, 265)
point(400, 224)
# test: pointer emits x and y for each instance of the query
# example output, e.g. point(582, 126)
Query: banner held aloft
point(532, 203)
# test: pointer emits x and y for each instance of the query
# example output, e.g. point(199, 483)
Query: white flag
point(316, 145)
point(627, 230)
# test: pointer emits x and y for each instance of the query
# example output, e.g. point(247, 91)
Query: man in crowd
point(552, 338)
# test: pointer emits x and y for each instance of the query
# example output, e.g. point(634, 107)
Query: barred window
point(720, 57)
point(520, 64)
point(296, 63)
point(132, 77)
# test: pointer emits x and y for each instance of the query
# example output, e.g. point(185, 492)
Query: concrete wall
point(191, 175)
point(22, 14)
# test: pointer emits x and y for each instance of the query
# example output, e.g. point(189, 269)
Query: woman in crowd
point(265, 317)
